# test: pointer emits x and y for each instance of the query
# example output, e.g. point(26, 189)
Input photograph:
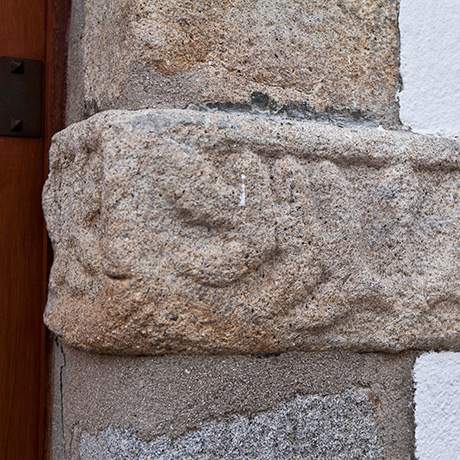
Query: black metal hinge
point(21, 87)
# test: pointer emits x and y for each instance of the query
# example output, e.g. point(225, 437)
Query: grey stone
point(129, 403)
point(182, 231)
point(333, 56)
point(308, 427)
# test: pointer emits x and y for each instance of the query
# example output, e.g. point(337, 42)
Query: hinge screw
point(17, 67)
point(16, 125)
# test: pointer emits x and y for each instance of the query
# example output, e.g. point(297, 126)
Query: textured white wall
point(430, 66)
point(430, 104)
point(437, 406)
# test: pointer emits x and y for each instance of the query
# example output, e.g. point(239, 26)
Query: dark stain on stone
point(90, 108)
point(261, 102)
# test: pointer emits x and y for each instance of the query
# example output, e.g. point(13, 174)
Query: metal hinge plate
point(21, 86)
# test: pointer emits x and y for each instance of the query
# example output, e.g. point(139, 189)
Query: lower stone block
point(296, 405)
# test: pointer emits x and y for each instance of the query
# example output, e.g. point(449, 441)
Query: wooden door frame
point(28, 29)
point(38, 37)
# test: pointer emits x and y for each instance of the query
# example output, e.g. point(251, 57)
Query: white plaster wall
point(437, 406)
point(430, 66)
point(430, 104)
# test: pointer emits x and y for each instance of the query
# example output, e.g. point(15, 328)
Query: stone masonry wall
point(251, 251)
point(286, 56)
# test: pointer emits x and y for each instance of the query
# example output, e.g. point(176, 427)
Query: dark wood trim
point(58, 17)
point(22, 34)
point(57, 20)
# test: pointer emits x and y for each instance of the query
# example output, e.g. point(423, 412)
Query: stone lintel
point(185, 231)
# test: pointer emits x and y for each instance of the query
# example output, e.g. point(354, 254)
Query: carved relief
point(188, 231)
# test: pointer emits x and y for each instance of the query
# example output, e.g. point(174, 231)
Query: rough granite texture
point(339, 405)
point(182, 231)
point(300, 57)
point(307, 427)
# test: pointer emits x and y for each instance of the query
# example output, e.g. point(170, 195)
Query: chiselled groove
point(346, 237)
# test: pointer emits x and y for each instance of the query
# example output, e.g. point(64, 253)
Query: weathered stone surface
point(127, 407)
point(183, 231)
point(308, 427)
point(289, 55)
